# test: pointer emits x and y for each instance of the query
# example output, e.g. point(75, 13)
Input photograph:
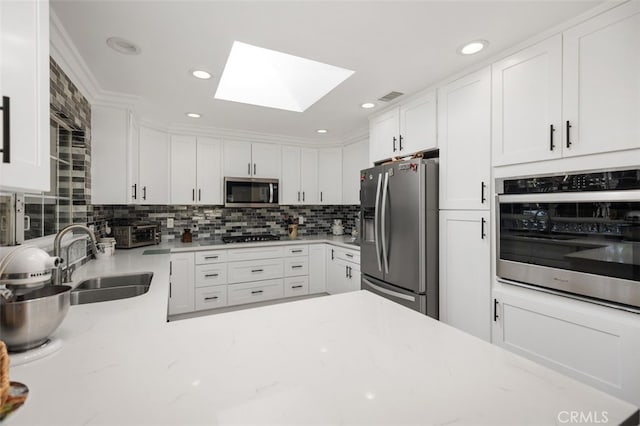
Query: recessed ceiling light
point(473, 47)
point(368, 105)
point(257, 76)
point(121, 45)
point(193, 115)
point(201, 74)
point(322, 131)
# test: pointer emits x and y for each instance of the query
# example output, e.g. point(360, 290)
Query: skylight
point(257, 76)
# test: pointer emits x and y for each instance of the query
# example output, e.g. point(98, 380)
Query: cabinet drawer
point(294, 266)
point(296, 286)
point(253, 270)
point(255, 253)
point(211, 297)
point(207, 275)
point(255, 291)
point(348, 255)
point(212, 256)
point(298, 250)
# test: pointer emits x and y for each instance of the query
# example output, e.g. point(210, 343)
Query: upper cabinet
point(299, 183)
point(601, 82)
point(404, 130)
point(245, 159)
point(572, 94)
point(196, 170)
point(114, 142)
point(330, 175)
point(527, 104)
point(464, 137)
point(153, 186)
point(24, 87)
point(355, 157)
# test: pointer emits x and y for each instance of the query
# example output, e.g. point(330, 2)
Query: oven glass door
point(601, 238)
point(251, 193)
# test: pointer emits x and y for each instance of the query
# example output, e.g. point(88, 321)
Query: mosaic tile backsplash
point(216, 221)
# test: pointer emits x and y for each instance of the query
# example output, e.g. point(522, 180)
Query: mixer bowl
point(27, 322)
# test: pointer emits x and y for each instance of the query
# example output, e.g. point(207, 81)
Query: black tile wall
point(216, 221)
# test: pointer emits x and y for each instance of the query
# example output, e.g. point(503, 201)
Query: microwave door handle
point(385, 191)
point(376, 223)
point(270, 193)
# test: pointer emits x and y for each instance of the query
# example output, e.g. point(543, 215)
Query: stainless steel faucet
point(57, 273)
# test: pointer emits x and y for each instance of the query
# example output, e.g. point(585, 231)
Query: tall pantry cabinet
point(464, 138)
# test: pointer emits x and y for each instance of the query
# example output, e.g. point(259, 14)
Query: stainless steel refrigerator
point(399, 229)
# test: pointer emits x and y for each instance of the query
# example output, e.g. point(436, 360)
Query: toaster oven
point(136, 235)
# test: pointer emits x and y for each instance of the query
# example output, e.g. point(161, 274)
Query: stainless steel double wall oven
point(575, 233)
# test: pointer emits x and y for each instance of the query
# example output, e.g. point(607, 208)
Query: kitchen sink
point(103, 289)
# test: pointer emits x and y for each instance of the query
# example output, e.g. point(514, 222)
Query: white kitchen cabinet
point(601, 82)
point(404, 130)
point(317, 268)
point(210, 297)
point(196, 176)
point(258, 160)
point(296, 286)
point(593, 344)
point(465, 274)
point(299, 183)
point(464, 138)
point(343, 275)
point(24, 87)
point(114, 141)
point(527, 104)
point(330, 175)
point(153, 186)
point(181, 283)
point(258, 291)
point(355, 157)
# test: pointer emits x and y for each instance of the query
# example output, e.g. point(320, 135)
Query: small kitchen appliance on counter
point(136, 234)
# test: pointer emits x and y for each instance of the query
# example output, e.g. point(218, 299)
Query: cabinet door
point(209, 171)
point(527, 102)
point(290, 183)
point(266, 160)
point(154, 163)
point(383, 135)
point(24, 81)
point(465, 259)
point(337, 276)
point(181, 284)
point(317, 268)
point(330, 175)
point(601, 82)
point(237, 159)
point(355, 157)
point(594, 344)
point(464, 132)
point(418, 125)
point(354, 278)
point(309, 176)
point(183, 171)
point(133, 159)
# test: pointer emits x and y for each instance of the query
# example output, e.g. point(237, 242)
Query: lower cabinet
point(255, 291)
point(296, 286)
point(317, 268)
point(343, 271)
point(594, 344)
point(210, 297)
point(181, 283)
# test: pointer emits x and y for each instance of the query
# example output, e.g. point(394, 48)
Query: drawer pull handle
point(211, 298)
point(210, 275)
point(348, 254)
point(256, 291)
point(296, 286)
point(257, 270)
point(211, 257)
point(296, 251)
point(296, 266)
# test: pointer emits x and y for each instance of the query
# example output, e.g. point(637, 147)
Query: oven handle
point(389, 292)
point(559, 197)
point(270, 193)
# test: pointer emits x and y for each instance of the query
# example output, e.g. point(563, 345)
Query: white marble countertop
point(353, 358)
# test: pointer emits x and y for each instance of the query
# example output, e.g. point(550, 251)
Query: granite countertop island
point(353, 358)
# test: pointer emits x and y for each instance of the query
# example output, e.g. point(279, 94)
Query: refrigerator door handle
point(385, 191)
point(376, 223)
point(390, 292)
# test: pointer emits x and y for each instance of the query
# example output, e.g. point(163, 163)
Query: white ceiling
point(391, 45)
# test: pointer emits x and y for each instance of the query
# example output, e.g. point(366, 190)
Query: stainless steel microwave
point(250, 192)
point(577, 234)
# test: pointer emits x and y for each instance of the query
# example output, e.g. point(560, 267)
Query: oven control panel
point(598, 181)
